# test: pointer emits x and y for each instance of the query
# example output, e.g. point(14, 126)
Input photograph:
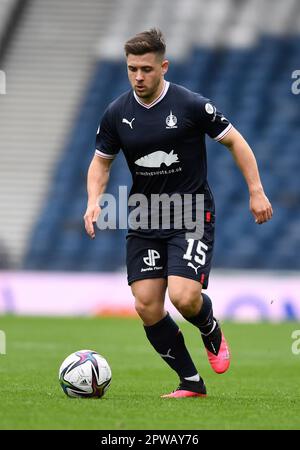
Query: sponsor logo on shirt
point(156, 159)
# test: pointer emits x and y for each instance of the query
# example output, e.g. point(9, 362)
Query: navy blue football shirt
point(163, 142)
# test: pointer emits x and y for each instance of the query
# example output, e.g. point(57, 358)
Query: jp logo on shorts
point(152, 256)
point(150, 260)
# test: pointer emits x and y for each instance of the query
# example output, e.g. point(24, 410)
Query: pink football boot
point(188, 388)
point(217, 349)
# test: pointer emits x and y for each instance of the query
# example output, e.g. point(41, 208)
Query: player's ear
point(165, 66)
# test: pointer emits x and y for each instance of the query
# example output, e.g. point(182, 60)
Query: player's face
point(146, 74)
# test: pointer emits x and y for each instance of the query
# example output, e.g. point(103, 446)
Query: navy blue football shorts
point(159, 257)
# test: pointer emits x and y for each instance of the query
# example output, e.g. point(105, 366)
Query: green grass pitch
point(260, 391)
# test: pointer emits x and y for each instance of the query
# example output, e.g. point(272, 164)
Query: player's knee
point(146, 306)
point(143, 306)
point(186, 301)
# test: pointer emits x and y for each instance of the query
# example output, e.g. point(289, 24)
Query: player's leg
point(149, 293)
point(164, 334)
point(189, 264)
point(197, 309)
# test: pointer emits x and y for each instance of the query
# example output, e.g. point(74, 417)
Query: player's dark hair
point(146, 42)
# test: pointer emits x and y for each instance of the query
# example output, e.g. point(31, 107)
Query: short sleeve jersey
point(164, 142)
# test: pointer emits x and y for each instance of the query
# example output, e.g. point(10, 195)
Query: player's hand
point(260, 207)
point(91, 215)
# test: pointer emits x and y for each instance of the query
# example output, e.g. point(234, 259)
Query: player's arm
point(97, 179)
point(107, 147)
point(259, 204)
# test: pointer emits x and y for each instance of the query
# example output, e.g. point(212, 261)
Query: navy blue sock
point(204, 320)
point(168, 341)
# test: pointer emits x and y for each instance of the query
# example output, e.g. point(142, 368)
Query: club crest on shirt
point(171, 121)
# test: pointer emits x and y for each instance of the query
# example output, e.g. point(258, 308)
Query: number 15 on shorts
point(200, 255)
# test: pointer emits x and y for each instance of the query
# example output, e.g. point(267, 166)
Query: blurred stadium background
point(64, 63)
